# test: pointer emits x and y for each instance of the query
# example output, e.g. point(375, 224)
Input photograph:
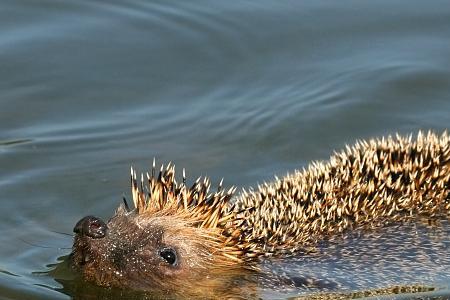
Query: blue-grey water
point(235, 89)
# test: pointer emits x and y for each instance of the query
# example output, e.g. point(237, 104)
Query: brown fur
point(128, 256)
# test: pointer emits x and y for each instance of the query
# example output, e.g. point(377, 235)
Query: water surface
point(235, 89)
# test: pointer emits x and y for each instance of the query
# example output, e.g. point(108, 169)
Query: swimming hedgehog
point(178, 237)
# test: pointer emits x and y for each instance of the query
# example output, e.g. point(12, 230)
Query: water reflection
point(401, 259)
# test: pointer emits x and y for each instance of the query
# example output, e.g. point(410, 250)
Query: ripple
point(14, 142)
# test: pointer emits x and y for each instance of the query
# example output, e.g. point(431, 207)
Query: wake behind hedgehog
point(182, 239)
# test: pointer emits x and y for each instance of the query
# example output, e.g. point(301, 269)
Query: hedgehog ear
point(123, 208)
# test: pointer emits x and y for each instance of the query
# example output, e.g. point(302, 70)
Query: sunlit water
point(233, 89)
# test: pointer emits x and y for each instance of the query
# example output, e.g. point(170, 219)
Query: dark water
point(233, 89)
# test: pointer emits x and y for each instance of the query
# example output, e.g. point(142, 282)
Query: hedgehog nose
point(92, 227)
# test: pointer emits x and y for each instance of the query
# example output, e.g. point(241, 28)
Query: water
point(235, 89)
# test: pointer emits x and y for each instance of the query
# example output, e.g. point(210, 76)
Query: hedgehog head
point(175, 236)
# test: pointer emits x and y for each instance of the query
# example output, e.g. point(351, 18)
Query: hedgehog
point(185, 239)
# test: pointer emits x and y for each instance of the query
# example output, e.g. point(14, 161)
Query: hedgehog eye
point(169, 255)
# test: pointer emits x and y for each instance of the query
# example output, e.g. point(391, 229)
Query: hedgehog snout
point(91, 226)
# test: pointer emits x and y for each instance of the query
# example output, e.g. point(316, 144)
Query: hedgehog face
point(176, 239)
point(140, 251)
